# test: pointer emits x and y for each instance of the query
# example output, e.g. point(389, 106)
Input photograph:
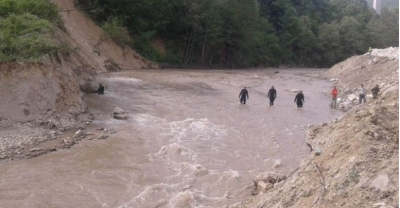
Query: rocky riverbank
point(353, 160)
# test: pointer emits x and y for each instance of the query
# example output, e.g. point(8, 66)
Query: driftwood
point(320, 174)
point(309, 145)
point(284, 181)
point(322, 182)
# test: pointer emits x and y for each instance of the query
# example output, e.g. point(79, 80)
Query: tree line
point(248, 33)
point(211, 33)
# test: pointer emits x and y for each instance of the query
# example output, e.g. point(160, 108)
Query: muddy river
point(187, 143)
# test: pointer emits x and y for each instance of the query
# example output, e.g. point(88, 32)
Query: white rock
point(294, 90)
point(119, 114)
point(381, 182)
point(264, 186)
point(118, 110)
point(351, 97)
point(79, 132)
point(277, 163)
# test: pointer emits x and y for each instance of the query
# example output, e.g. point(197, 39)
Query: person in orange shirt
point(334, 97)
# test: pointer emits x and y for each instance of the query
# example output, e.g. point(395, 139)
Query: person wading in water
point(101, 89)
point(272, 95)
point(299, 99)
point(242, 95)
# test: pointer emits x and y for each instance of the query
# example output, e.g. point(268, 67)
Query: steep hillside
point(39, 101)
point(93, 45)
point(353, 160)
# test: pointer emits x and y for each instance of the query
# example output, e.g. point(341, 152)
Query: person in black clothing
point(299, 99)
point(101, 89)
point(242, 95)
point(272, 95)
point(375, 91)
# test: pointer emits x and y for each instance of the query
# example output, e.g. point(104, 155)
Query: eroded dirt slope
point(353, 160)
point(40, 101)
point(93, 45)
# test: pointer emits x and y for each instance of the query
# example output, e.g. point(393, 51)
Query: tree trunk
point(185, 46)
point(189, 47)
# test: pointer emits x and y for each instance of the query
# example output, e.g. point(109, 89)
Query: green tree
point(247, 33)
point(389, 19)
point(351, 37)
point(328, 44)
point(115, 29)
point(306, 43)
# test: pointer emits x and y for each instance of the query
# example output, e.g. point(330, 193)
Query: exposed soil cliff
point(39, 101)
point(354, 160)
point(92, 45)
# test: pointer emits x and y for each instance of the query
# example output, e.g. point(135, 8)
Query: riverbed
point(188, 141)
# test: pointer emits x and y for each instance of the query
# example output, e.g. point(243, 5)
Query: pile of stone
point(391, 52)
point(266, 181)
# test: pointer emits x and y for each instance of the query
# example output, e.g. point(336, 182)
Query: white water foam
point(180, 142)
point(123, 79)
point(196, 129)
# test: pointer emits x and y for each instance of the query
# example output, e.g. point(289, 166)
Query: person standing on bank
point(299, 99)
point(334, 97)
point(272, 95)
point(242, 95)
point(375, 91)
point(362, 92)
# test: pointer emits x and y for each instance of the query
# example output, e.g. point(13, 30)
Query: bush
point(25, 26)
point(24, 37)
point(115, 29)
point(44, 9)
point(143, 45)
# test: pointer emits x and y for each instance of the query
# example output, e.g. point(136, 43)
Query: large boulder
point(119, 114)
point(265, 181)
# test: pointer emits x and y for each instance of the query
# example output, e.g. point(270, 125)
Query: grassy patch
point(25, 29)
point(354, 177)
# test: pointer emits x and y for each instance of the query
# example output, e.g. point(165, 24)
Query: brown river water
point(188, 142)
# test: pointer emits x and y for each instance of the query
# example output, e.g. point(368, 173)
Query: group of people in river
point(299, 99)
point(244, 94)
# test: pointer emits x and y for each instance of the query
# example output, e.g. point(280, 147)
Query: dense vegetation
point(247, 33)
point(24, 29)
